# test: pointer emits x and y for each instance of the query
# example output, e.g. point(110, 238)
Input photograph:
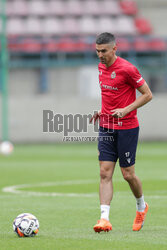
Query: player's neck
point(112, 61)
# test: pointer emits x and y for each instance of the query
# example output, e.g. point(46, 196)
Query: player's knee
point(106, 170)
point(128, 176)
point(104, 174)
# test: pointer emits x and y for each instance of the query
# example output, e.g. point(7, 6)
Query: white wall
point(26, 117)
point(26, 105)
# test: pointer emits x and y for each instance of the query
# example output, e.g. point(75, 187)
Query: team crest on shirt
point(113, 75)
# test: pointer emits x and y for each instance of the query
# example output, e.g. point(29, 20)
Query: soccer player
point(119, 127)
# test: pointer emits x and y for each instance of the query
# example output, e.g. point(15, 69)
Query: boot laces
point(139, 217)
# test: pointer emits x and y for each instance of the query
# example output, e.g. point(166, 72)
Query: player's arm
point(145, 97)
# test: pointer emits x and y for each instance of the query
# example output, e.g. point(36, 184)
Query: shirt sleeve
point(135, 79)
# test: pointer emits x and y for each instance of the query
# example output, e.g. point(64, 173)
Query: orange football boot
point(102, 225)
point(139, 220)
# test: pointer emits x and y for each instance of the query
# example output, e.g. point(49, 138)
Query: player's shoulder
point(123, 62)
point(127, 66)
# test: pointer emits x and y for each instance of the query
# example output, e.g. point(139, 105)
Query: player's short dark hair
point(105, 38)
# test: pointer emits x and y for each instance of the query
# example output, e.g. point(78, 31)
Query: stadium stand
point(83, 12)
point(51, 27)
point(75, 23)
point(68, 19)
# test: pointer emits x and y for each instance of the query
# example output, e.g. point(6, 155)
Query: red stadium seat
point(143, 26)
point(158, 44)
point(123, 45)
point(153, 44)
point(71, 45)
point(129, 7)
point(50, 45)
point(14, 47)
point(66, 45)
point(30, 46)
point(141, 45)
point(24, 45)
point(81, 46)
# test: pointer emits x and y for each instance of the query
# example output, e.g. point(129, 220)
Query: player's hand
point(95, 117)
point(119, 113)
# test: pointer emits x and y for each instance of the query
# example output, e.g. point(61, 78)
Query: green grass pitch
point(66, 222)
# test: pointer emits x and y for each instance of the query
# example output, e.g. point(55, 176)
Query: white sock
point(105, 210)
point(140, 204)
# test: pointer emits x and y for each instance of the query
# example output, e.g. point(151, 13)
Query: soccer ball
point(26, 225)
point(6, 148)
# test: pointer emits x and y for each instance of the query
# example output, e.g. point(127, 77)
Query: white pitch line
point(15, 189)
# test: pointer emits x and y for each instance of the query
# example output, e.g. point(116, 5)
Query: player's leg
point(127, 144)
point(133, 181)
point(107, 160)
point(105, 194)
point(106, 186)
point(136, 187)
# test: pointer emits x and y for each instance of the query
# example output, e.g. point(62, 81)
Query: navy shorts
point(114, 144)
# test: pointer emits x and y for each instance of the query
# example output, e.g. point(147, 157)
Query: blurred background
point(48, 61)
